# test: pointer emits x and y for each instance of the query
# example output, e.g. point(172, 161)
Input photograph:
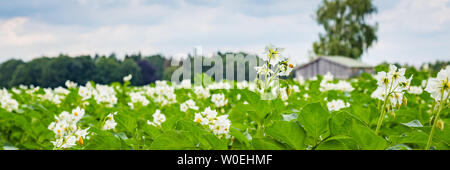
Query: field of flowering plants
point(392, 110)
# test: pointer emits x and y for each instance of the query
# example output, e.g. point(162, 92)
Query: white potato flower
point(183, 107)
point(273, 54)
point(7, 102)
point(220, 85)
point(263, 70)
point(439, 87)
point(110, 123)
point(162, 93)
point(242, 84)
point(200, 119)
point(415, 90)
point(283, 94)
point(286, 68)
point(128, 77)
point(219, 125)
point(185, 84)
point(138, 97)
point(158, 119)
point(189, 104)
point(392, 85)
point(70, 84)
point(67, 133)
point(342, 85)
point(336, 105)
point(201, 92)
point(219, 100)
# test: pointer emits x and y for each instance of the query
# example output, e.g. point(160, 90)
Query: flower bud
point(440, 124)
point(80, 140)
point(392, 114)
point(387, 108)
point(398, 105)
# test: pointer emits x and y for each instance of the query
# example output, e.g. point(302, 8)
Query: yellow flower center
point(385, 80)
point(272, 52)
point(80, 140)
point(396, 75)
point(446, 84)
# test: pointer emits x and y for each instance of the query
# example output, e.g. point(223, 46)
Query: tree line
point(55, 71)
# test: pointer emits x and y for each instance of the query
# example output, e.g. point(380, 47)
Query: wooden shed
point(341, 67)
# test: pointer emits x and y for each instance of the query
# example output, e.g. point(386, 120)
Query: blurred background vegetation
point(54, 71)
point(347, 32)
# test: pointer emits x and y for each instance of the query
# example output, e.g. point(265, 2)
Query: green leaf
point(339, 142)
point(104, 140)
point(341, 123)
point(258, 109)
point(314, 119)
point(366, 138)
point(173, 140)
point(266, 144)
point(240, 136)
point(198, 134)
point(288, 132)
point(417, 137)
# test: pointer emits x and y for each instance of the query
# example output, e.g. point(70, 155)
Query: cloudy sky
point(410, 31)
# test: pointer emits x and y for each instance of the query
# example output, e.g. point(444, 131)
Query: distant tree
point(107, 70)
point(147, 72)
point(30, 73)
point(347, 31)
point(158, 63)
point(82, 69)
point(167, 75)
point(129, 66)
point(21, 76)
point(7, 69)
point(56, 72)
point(135, 57)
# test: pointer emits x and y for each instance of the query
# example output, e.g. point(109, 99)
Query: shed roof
point(345, 61)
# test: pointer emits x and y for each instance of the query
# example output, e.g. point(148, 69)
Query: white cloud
point(412, 32)
point(415, 29)
point(177, 30)
point(13, 33)
point(26, 39)
point(422, 16)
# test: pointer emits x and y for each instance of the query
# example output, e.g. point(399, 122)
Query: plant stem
point(380, 119)
point(430, 138)
point(383, 111)
point(258, 130)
